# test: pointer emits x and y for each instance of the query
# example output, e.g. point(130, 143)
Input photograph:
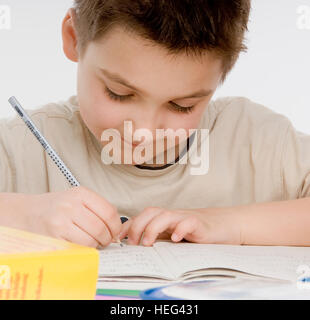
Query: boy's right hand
point(77, 215)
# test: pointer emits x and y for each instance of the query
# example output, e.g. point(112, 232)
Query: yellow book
point(36, 267)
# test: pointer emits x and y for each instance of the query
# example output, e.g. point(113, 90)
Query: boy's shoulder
point(65, 110)
point(242, 105)
point(244, 123)
point(245, 112)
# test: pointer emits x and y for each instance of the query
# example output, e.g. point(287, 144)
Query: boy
point(157, 65)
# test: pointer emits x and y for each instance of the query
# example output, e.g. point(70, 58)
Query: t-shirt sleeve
point(296, 164)
point(6, 177)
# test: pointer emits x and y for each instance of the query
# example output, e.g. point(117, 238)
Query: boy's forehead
point(125, 53)
point(128, 43)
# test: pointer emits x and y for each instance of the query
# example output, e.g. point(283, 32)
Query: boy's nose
point(149, 124)
point(147, 120)
point(144, 135)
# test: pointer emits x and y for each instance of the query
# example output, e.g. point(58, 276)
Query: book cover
point(37, 267)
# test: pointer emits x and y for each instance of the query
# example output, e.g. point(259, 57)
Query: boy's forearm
point(11, 214)
point(275, 223)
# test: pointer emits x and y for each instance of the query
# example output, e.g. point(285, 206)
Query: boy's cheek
point(98, 111)
point(98, 120)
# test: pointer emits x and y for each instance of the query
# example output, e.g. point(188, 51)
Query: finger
point(90, 223)
point(79, 236)
point(166, 220)
point(185, 227)
point(103, 209)
point(125, 228)
point(139, 223)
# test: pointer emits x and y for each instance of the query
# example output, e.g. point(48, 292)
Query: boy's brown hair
point(190, 26)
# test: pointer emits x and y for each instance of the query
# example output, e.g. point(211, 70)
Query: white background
point(275, 71)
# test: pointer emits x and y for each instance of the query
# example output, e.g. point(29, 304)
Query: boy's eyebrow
point(117, 78)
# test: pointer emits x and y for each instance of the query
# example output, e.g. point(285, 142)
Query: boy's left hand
point(211, 225)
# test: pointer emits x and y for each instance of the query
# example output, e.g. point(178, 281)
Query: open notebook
point(167, 261)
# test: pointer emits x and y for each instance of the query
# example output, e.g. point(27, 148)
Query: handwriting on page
point(269, 261)
point(131, 261)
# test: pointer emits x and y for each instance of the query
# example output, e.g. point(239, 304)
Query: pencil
point(119, 242)
point(50, 151)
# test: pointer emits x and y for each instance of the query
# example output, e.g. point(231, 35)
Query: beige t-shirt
point(255, 155)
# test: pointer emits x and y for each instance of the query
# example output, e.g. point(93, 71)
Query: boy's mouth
point(135, 144)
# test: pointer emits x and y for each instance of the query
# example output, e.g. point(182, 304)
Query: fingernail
point(175, 237)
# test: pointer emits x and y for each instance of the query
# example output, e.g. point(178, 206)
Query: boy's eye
point(178, 108)
point(173, 105)
point(115, 96)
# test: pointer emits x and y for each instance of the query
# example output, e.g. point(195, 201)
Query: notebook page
point(131, 260)
point(268, 261)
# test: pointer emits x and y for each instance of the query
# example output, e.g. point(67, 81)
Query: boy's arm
point(284, 223)
point(270, 223)
point(274, 223)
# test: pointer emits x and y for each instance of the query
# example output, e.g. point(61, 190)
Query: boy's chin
point(134, 159)
point(148, 162)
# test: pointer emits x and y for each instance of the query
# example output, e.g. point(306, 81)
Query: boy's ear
point(69, 38)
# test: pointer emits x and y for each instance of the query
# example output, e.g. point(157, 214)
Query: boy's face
point(157, 90)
